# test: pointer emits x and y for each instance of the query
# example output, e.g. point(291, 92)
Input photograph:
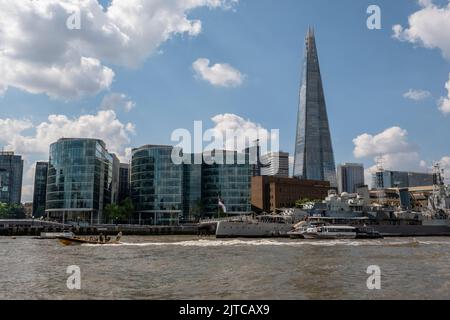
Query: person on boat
point(119, 236)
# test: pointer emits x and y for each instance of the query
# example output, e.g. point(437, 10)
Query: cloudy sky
point(136, 70)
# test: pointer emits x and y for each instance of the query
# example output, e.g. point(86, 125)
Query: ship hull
point(318, 236)
point(227, 229)
point(412, 230)
point(70, 241)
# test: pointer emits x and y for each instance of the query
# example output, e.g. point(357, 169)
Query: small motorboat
point(75, 240)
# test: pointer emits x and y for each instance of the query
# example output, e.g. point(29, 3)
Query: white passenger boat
point(298, 230)
point(330, 232)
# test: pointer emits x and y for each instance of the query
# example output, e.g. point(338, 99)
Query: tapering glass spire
point(314, 157)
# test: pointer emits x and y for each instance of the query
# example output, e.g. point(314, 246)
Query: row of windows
point(73, 204)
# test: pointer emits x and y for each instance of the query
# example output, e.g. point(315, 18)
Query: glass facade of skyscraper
point(11, 171)
point(314, 158)
point(350, 176)
point(229, 182)
point(192, 189)
point(80, 180)
point(40, 189)
point(156, 185)
point(124, 181)
point(383, 179)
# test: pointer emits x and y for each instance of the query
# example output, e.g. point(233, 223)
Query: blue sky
point(365, 74)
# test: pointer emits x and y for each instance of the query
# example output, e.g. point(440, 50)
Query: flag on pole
point(222, 205)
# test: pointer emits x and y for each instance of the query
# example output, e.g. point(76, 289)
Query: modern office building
point(383, 179)
point(115, 184)
point(156, 185)
point(254, 157)
point(40, 189)
point(124, 182)
point(350, 176)
point(314, 158)
point(227, 181)
point(270, 193)
point(164, 193)
point(192, 189)
point(80, 180)
point(11, 171)
point(419, 179)
point(275, 164)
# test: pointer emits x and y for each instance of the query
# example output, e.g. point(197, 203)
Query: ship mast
point(438, 199)
point(380, 171)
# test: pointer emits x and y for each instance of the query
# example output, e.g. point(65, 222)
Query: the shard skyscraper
point(314, 158)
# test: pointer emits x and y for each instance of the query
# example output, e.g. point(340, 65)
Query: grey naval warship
point(354, 210)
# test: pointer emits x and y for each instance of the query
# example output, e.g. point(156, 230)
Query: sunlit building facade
point(156, 185)
point(80, 180)
point(228, 181)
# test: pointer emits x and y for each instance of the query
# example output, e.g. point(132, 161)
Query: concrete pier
point(36, 227)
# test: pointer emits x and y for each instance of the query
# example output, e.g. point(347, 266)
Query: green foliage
point(119, 212)
point(197, 210)
point(11, 211)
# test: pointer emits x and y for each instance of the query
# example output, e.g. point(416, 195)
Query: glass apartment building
point(11, 171)
point(40, 189)
point(80, 180)
point(156, 185)
point(229, 182)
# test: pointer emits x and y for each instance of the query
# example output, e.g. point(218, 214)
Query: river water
point(187, 267)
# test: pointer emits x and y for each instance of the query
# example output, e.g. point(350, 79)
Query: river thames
point(188, 267)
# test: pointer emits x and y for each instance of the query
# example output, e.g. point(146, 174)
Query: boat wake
point(278, 243)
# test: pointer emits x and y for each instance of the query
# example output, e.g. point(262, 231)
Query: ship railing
point(232, 218)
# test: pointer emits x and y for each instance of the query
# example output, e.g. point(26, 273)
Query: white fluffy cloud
point(428, 27)
point(34, 146)
point(39, 54)
point(417, 95)
point(390, 141)
point(219, 75)
point(9, 128)
point(390, 147)
point(444, 102)
point(232, 127)
point(117, 101)
point(104, 125)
